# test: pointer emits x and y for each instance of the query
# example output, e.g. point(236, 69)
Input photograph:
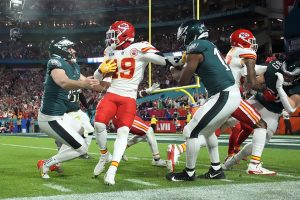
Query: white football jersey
point(234, 60)
point(131, 64)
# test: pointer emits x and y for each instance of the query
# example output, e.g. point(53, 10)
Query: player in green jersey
point(204, 60)
point(63, 79)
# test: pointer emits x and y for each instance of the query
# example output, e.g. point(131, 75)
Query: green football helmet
point(291, 71)
point(191, 30)
point(60, 47)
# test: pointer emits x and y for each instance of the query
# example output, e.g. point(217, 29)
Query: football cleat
point(213, 174)
point(181, 176)
point(172, 158)
point(159, 163)
point(104, 158)
point(229, 163)
point(43, 169)
point(109, 178)
point(257, 169)
point(57, 168)
point(124, 157)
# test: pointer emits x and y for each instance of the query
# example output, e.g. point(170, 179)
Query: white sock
point(192, 149)
point(212, 147)
point(66, 153)
point(120, 143)
point(135, 139)
point(258, 144)
point(101, 135)
point(152, 143)
point(244, 152)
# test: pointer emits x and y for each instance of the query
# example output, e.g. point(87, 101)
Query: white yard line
point(30, 147)
point(141, 182)
point(275, 191)
point(57, 187)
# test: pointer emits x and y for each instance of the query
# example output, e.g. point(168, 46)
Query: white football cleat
point(257, 169)
point(229, 163)
point(109, 178)
point(173, 155)
point(159, 163)
point(43, 169)
point(104, 158)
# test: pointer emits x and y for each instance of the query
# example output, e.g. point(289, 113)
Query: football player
point(141, 131)
point(63, 79)
point(242, 57)
point(283, 91)
point(204, 59)
point(131, 60)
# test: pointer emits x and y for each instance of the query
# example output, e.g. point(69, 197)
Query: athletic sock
point(216, 166)
point(182, 148)
point(259, 140)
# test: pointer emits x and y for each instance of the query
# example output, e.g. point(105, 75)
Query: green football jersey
point(56, 100)
point(215, 74)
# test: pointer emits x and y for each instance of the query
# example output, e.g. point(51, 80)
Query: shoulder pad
point(197, 46)
point(55, 62)
point(144, 47)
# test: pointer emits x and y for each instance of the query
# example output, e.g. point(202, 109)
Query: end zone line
point(57, 187)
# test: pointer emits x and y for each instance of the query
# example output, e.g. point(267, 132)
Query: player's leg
point(246, 113)
point(125, 115)
point(105, 111)
point(235, 130)
point(246, 130)
point(205, 121)
point(60, 129)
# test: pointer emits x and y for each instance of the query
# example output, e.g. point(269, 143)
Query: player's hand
point(155, 86)
point(90, 82)
point(280, 80)
point(107, 66)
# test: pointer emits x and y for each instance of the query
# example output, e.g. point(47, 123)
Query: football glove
point(107, 66)
point(155, 86)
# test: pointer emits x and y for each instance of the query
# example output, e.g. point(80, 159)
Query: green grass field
point(19, 176)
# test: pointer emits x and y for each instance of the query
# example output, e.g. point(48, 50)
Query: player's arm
point(254, 84)
point(290, 103)
point(185, 75)
point(60, 78)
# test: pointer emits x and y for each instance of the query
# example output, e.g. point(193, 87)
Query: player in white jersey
point(242, 58)
point(130, 61)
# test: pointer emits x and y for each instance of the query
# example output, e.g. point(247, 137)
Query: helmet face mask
point(243, 38)
point(119, 33)
point(63, 48)
point(191, 30)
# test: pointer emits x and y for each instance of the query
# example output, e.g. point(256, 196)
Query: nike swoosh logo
point(215, 175)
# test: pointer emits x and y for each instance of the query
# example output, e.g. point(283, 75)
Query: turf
point(19, 176)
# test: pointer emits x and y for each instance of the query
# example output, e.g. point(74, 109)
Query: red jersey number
point(128, 67)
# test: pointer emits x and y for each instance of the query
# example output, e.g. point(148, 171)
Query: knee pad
point(186, 131)
point(123, 131)
point(99, 127)
point(211, 140)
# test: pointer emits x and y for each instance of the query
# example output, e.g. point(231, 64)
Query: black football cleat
point(213, 174)
point(180, 176)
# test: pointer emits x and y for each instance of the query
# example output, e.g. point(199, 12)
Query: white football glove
point(280, 80)
point(155, 86)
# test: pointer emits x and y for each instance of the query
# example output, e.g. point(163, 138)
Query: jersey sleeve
point(246, 53)
point(197, 46)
